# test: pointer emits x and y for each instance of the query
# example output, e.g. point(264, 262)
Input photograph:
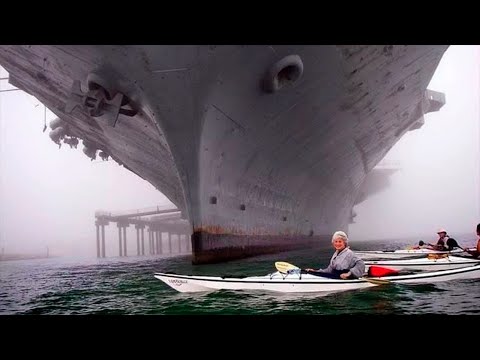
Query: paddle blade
point(376, 281)
point(284, 267)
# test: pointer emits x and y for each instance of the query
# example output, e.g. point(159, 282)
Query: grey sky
point(49, 195)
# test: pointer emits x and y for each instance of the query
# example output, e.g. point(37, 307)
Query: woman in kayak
point(344, 263)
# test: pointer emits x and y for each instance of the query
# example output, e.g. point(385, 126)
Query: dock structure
point(156, 221)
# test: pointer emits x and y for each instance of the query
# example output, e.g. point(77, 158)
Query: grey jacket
point(346, 260)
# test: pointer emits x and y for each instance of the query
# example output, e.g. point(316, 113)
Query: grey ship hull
point(261, 150)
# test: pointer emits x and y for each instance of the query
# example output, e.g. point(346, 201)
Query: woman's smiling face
point(339, 244)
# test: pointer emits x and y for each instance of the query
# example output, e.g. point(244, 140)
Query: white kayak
point(429, 263)
point(297, 282)
point(402, 253)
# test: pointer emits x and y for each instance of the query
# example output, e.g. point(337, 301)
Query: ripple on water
point(112, 286)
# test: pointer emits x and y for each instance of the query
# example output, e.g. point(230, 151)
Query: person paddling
point(476, 252)
point(441, 244)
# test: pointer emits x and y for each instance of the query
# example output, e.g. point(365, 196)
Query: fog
point(438, 182)
point(49, 195)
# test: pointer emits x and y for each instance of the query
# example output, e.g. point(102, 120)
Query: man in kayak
point(344, 263)
point(441, 244)
point(476, 253)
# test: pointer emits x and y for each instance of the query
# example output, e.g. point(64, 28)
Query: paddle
point(376, 281)
point(451, 244)
point(285, 267)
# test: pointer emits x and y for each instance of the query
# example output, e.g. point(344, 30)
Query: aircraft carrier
point(262, 148)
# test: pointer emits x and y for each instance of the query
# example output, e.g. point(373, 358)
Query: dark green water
point(127, 286)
